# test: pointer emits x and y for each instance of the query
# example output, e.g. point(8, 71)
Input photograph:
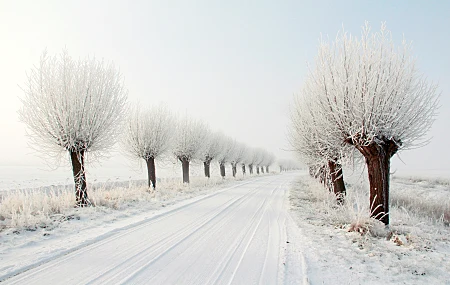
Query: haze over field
point(234, 65)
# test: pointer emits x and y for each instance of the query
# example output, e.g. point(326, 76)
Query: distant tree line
point(154, 132)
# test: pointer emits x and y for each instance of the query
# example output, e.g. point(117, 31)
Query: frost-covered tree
point(319, 148)
point(229, 148)
point(253, 158)
point(282, 164)
point(258, 158)
point(246, 160)
point(260, 165)
point(249, 159)
point(238, 155)
point(369, 94)
point(148, 135)
point(287, 164)
point(214, 146)
point(189, 140)
point(268, 161)
point(260, 162)
point(75, 107)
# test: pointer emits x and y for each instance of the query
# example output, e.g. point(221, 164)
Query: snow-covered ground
point(238, 231)
point(29, 177)
point(234, 234)
point(343, 246)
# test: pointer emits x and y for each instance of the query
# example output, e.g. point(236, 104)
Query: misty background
point(233, 64)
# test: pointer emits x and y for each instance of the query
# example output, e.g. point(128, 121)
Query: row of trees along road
point(364, 100)
point(80, 106)
point(154, 132)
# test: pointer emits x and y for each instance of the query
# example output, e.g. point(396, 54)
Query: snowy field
point(44, 176)
point(315, 242)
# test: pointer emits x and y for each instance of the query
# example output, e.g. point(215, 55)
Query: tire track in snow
point(180, 237)
point(83, 271)
point(258, 263)
point(118, 233)
point(221, 237)
point(181, 250)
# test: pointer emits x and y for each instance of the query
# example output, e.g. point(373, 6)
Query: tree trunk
point(243, 169)
point(151, 170)
point(324, 176)
point(233, 169)
point(267, 169)
point(337, 179)
point(79, 177)
point(206, 165)
point(222, 169)
point(185, 167)
point(378, 167)
point(262, 169)
point(257, 170)
point(250, 166)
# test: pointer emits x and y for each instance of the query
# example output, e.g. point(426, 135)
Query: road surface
point(235, 236)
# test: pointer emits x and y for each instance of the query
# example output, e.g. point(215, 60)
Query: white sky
point(234, 64)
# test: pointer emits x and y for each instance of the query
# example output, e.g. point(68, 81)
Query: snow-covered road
point(235, 236)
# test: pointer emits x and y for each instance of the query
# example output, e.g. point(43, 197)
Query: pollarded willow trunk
point(250, 167)
point(323, 174)
point(267, 169)
point(79, 177)
point(262, 169)
point(337, 179)
point(378, 160)
point(185, 167)
point(243, 169)
point(257, 170)
point(222, 169)
point(233, 169)
point(151, 171)
point(207, 166)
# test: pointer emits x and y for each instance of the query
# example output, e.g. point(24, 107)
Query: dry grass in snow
point(29, 209)
point(343, 245)
point(426, 197)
